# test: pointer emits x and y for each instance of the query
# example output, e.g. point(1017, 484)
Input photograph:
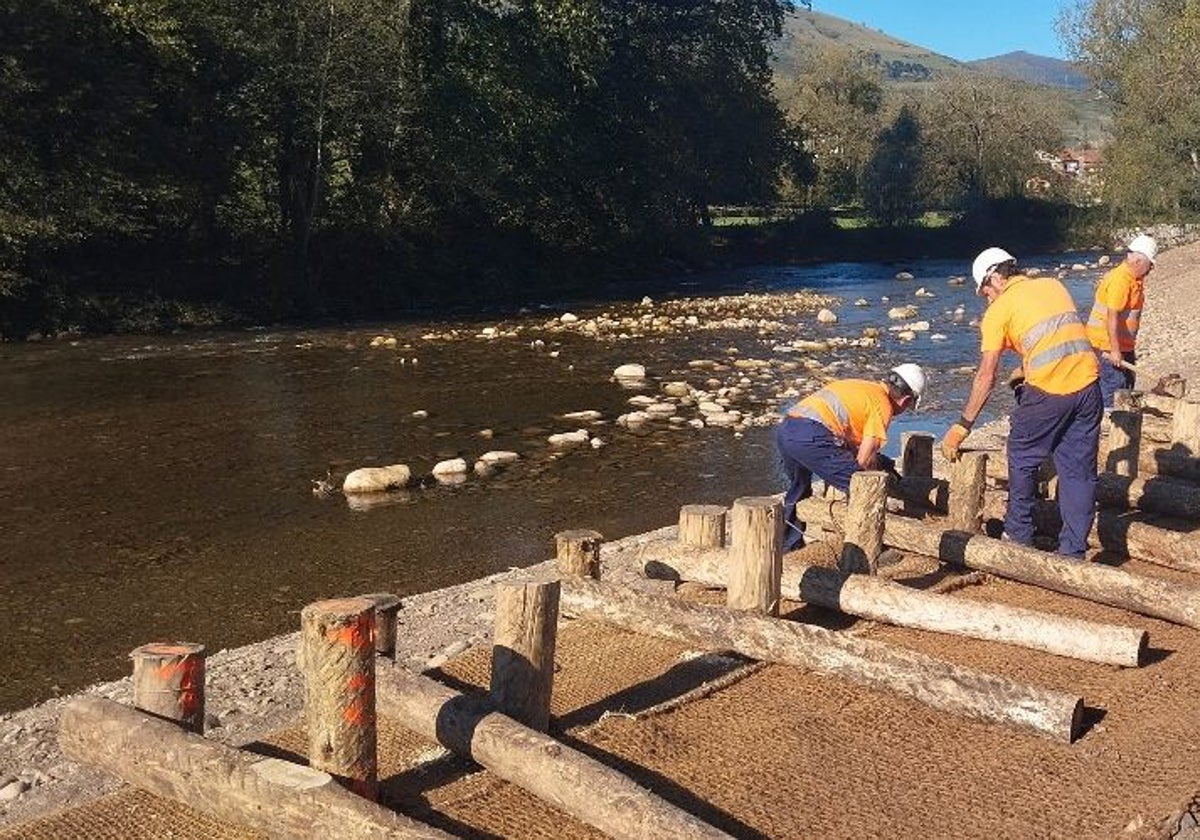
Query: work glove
point(1016, 379)
point(952, 442)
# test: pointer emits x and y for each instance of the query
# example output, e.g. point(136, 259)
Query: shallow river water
point(161, 487)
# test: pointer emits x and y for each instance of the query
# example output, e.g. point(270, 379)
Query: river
point(161, 487)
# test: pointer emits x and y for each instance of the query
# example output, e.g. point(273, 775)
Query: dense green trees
point(311, 155)
point(1146, 56)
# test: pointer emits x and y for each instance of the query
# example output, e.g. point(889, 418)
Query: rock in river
point(377, 479)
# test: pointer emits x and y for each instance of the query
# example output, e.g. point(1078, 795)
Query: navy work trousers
point(808, 449)
point(1066, 427)
point(1113, 379)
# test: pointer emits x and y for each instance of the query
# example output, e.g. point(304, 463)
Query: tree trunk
point(569, 780)
point(1171, 497)
point(864, 523)
point(523, 650)
point(881, 600)
point(265, 794)
point(933, 682)
point(757, 554)
point(1102, 584)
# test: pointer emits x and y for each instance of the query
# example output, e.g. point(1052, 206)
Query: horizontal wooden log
point(265, 794)
point(565, 778)
point(1127, 533)
point(1158, 459)
point(1155, 493)
point(882, 600)
point(1174, 602)
point(934, 682)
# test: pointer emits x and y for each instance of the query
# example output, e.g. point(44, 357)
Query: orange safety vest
point(850, 408)
point(1121, 291)
point(1037, 318)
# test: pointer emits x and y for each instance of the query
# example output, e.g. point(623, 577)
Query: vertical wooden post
point(578, 553)
point(168, 682)
point(1124, 442)
point(337, 659)
point(968, 484)
point(523, 650)
point(916, 454)
point(702, 526)
point(756, 556)
point(1185, 426)
point(865, 509)
point(386, 607)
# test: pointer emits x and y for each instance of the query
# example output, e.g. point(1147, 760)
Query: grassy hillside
point(905, 66)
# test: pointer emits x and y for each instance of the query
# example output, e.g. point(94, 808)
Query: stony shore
point(256, 689)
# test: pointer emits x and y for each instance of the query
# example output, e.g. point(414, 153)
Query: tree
point(893, 179)
point(1144, 55)
point(983, 133)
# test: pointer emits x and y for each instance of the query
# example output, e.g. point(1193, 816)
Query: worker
point(838, 431)
point(1059, 406)
point(1113, 325)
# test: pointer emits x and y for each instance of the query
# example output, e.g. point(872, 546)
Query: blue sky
point(966, 29)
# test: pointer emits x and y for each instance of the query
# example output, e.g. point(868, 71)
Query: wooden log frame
point(1114, 529)
point(757, 555)
point(572, 782)
point(1126, 533)
point(265, 794)
point(906, 673)
point(1173, 602)
point(168, 682)
point(864, 523)
point(523, 650)
point(879, 599)
point(337, 659)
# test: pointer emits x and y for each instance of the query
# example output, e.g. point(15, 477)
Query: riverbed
point(162, 487)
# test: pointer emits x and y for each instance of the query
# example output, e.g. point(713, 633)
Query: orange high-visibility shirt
point(1123, 292)
point(852, 409)
point(1037, 318)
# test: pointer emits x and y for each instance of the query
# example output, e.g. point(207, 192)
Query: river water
point(161, 488)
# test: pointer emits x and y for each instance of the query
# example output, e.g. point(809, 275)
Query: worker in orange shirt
point(838, 431)
point(1113, 325)
point(1059, 406)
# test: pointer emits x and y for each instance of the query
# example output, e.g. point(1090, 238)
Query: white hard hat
point(1145, 245)
point(988, 259)
point(912, 376)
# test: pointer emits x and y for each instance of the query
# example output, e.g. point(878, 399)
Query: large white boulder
point(377, 479)
point(630, 371)
point(569, 438)
point(452, 466)
point(827, 316)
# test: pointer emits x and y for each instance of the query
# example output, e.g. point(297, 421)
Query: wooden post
point(523, 650)
point(756, 559)
point(168, 682)
point(578, 553)
point(337, 659)
point(1185, 426)
point(1124, 442)
point(386, 607)
point(864, 524)
point(267, 795)
point(878, 599)
point(968, 484)
point(876, 665)
point(916, 454)
point(1175, 602)
point(702, 526)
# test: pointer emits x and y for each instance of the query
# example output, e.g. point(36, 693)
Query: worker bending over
point(838, 431)
point(1059, 408)
point(1116, 315)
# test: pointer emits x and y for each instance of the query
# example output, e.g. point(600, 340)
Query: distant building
point(1075, 173)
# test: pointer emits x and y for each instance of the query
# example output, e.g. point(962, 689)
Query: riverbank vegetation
point(200, 162)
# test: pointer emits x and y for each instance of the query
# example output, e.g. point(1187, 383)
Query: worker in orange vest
point(1059, 406)
point(838, 431)
point(1116, 315)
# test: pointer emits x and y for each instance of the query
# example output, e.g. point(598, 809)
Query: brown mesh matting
point(785, 753)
